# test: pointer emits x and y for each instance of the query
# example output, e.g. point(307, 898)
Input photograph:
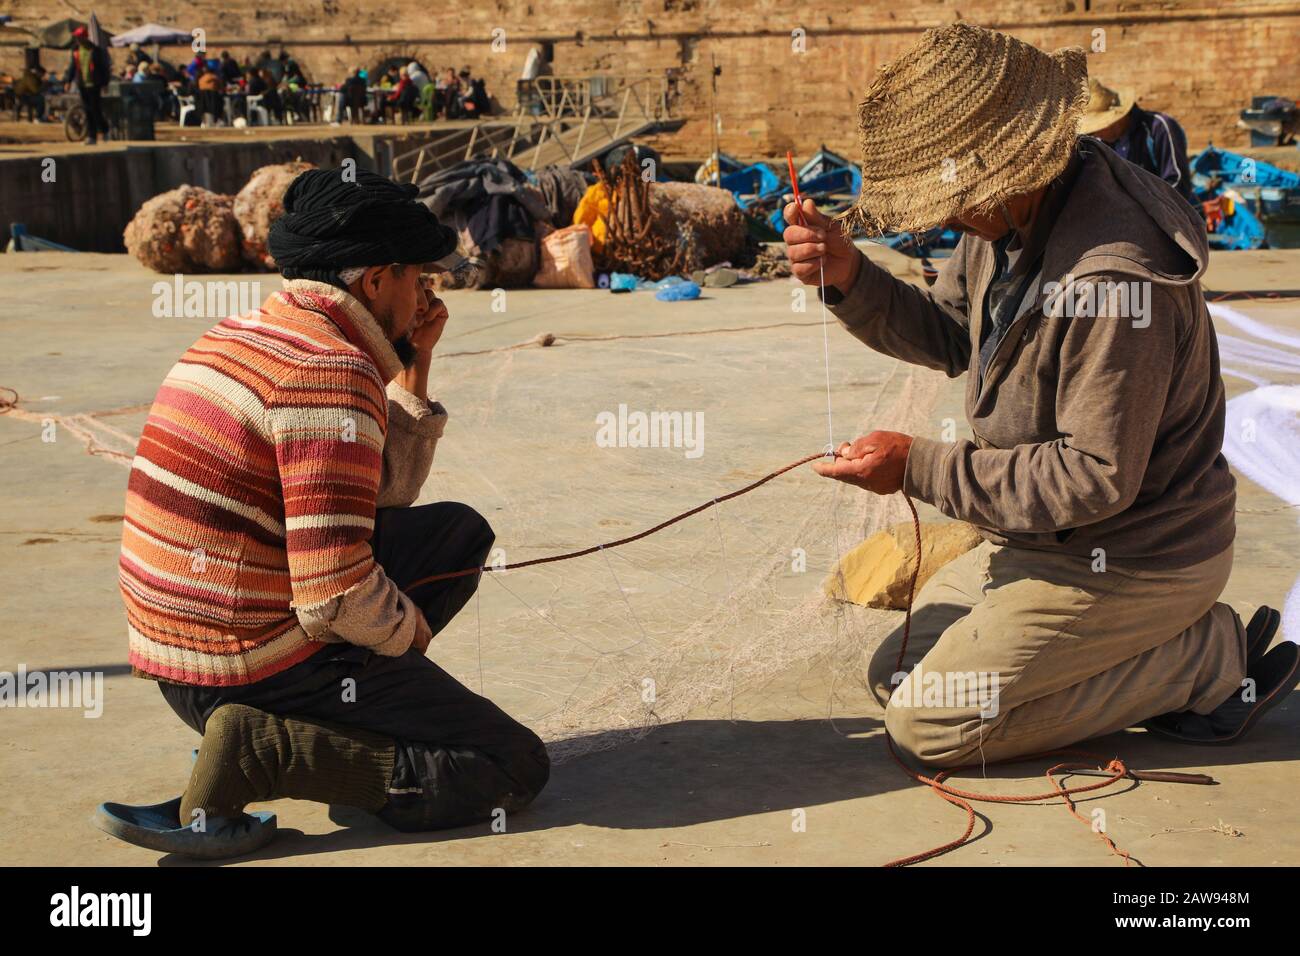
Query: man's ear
point(370, 281)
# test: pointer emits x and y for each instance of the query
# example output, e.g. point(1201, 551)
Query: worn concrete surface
point(79, 338)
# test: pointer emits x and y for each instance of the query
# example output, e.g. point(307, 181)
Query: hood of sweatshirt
point(1121, 219)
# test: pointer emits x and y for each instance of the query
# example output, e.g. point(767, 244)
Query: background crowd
point(222, 90)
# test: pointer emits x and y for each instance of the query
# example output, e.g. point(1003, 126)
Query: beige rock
point(878, 571)
point(260, 203)
point(187, 229)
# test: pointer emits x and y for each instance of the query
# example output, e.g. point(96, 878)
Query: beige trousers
point(1020, 651)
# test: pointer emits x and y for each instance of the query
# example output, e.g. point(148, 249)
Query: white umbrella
point(151, 33)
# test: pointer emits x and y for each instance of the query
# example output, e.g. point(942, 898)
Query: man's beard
point(405, 351)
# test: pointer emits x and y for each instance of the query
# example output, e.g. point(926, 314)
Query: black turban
point(331, 222)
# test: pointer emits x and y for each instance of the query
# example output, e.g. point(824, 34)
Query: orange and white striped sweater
point(252, 497)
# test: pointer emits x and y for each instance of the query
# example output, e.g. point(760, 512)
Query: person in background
point(1154, 141)
point(418, 75)
point(168, 105)
point(89, 69)
point(254, 83)
point(136, 56)
point(341, 96)
point(208, 97)
point(30, 90)
point(449, 95)
point(352, 95)
point(271, 98)
point(230, 71)
point(475, 102)
point(291, 71)
point(536, 64)
point(401, 101)
point(195, 65)
point(141, 73)
point(164, 70)
point(293, 93)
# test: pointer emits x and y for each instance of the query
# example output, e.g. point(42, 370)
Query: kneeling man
point(269, 537)
point(1073, 306)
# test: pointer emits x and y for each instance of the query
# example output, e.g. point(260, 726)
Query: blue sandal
point(158, 827)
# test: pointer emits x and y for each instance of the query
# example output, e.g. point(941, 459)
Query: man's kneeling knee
point(921, 738)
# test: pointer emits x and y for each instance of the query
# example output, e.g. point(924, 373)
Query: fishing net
point(601, 649)
point(702, 619)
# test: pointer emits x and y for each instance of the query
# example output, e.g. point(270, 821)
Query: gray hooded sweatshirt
point(1099, 418)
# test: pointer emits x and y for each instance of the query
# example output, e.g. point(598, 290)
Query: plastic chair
point(426, 102)
point(187, 107)
point(258, 112)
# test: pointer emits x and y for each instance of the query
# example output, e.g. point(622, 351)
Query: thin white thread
point(618, 586)
point(837, 611)
point(478, 624)
point(826, 353)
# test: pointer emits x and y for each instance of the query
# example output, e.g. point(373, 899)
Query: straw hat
point(961, 122)
point(1105, 106)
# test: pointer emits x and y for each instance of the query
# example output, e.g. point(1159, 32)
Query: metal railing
point(558, 119)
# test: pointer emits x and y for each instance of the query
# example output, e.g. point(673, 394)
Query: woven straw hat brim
point(965, 120)
point(1092, 121)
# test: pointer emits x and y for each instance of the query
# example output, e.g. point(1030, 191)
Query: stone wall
point(1198, 60)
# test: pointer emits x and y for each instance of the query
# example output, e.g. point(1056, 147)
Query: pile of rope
point(631, 243)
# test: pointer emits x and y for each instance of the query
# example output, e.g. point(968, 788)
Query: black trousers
point(459, 756)
point(210, 103)
point(91, 100)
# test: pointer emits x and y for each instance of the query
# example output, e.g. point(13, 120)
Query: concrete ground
point(724, 784)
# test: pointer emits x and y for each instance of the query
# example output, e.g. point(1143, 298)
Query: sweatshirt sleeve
point(924, 327)
point(327, 420)
point(414, 427)
point(1115, 374)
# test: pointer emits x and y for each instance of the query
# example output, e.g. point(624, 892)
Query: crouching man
point(1073, 306)
point(269, 541)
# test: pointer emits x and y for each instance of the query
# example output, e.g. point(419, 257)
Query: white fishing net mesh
point(601, 649)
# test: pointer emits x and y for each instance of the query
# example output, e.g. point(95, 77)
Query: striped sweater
point(252, 496)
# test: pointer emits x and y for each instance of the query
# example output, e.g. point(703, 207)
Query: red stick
point(794, 184)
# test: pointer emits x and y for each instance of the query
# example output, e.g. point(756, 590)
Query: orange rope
point(447, 575)
point(963, 798)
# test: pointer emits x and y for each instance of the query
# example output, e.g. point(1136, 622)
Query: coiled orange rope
point(963, 798)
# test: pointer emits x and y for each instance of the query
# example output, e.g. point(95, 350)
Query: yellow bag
point(593, 205)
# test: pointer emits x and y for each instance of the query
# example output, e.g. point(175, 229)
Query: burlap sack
point(566, 260)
